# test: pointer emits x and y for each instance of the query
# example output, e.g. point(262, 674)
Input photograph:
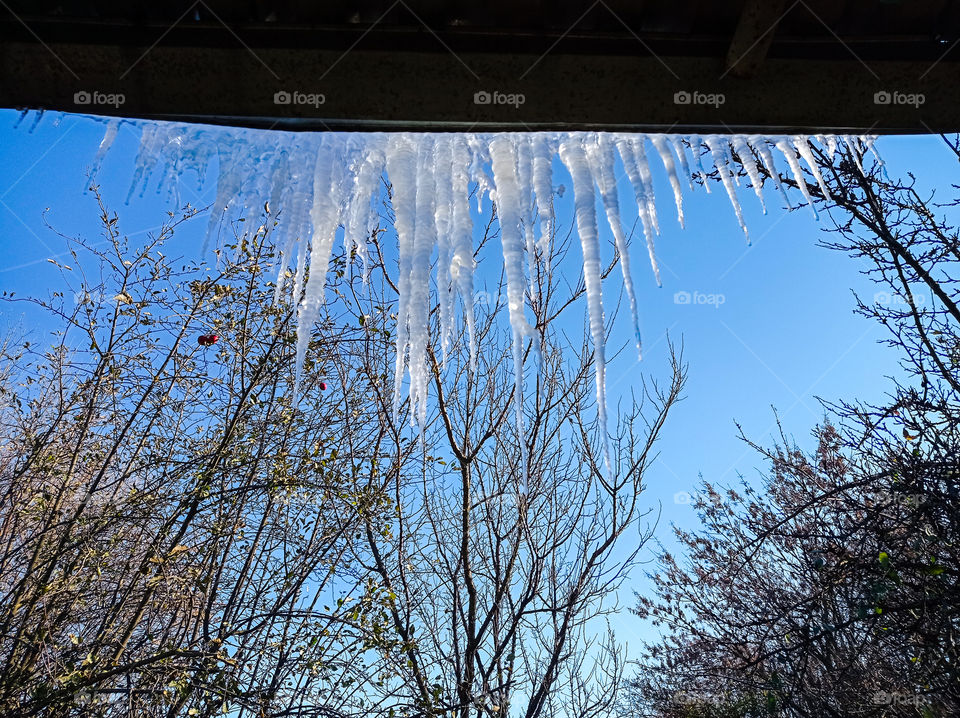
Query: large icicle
point(803, 147)
point(525, 180)
point(325, 217)
point(763, 149)
point(361, 215)
point(677, 144)
point(402, 168)
point(584, 200)
point(418, 312)
point(109, 135)
point(788, 150)
point(504, 163)
point(631, 163)
point(462, 263)
point(600, 154)
point(749, 163)
point(717, 149)
point(443, 176)
point(660, 144)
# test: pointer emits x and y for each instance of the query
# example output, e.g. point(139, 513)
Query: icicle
point(479, 156)
point(601, 158)
point(660, 144)
point(695, 149)
point(543, 188)
point(720, 161)
point(402, 168)
point(525, 180)
point(760, 145)
point(105, 144)
point(443, 174)
point(803, 147)
point(789, 153)
point(146, 153)
point(418, 312)
point(646, 179)
point(869, 142)
point(628, 153)
point(462, 263)
point(677, 145)
point(365, 185)
point(325, 216)
point(504, 164)
point(831, 146)
point(573, 156)
point(750, 165)
point(36, 121)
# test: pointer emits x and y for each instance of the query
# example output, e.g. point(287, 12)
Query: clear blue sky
point(784, 334)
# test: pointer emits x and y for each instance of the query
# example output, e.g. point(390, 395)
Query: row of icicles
point(323, 181)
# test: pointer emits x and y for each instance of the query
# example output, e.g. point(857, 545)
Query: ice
point(308, 185)
point(361, 218)
point(660, 144)
point(543, 154)
point(462, 263)
point(739, 144)
point(677, 143)
point(762, 147)
point(503, 159)
point(573, 156)
point(803, 147)
point(601, 158)
point(627, 146)
point(443, 177)
point(325, 217)
point(788, 149)
point(718, 148)
point(402, 169)
point(109, 135)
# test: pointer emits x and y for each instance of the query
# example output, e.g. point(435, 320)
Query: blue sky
point(776, 328)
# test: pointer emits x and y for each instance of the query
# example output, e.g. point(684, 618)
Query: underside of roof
point(879, 66)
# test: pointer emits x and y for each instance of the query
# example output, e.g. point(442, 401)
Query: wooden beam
point(754, 35)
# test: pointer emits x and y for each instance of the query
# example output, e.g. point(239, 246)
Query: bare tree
point(172, 522)
point(499, 595)
point(833, 589)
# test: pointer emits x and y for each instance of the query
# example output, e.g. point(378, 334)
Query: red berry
point(323, 386)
